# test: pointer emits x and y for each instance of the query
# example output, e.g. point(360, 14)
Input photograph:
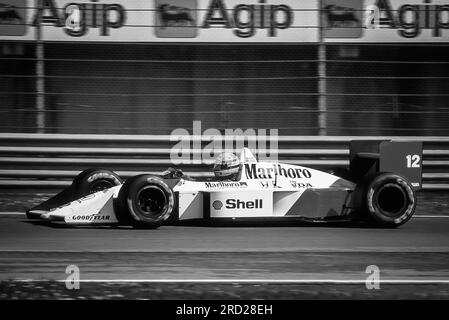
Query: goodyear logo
point(91, 217)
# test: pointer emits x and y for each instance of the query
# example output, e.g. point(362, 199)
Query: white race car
point(379, 188)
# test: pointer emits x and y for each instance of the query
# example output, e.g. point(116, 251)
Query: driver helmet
point(226, 165)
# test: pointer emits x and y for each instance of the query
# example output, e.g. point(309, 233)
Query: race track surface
point(416, 254)
point(230, 261)
point(421, 234)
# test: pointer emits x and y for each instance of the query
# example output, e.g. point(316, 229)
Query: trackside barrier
point(52, 160)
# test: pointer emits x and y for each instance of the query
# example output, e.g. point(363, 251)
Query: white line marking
point(430, 216)
point(247, 281)
point(299, 250)
point(12, 213)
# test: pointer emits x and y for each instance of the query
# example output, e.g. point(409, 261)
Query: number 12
point(413, 161)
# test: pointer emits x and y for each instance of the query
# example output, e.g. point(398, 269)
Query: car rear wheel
point(385, 199)
point(145, 201)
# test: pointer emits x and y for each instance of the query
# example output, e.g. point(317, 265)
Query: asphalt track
point(226, 261)
point(417, 251)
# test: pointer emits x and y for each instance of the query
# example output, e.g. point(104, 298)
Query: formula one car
point(378, 188)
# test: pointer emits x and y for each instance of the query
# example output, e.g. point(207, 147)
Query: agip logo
point(409, 19)
point(176, 18)
point(342, 18)
point(181, 18)
point(12, 17)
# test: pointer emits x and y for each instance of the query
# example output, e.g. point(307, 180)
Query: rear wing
point(400, 157)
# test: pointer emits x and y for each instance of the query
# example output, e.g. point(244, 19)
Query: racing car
point(378, 188)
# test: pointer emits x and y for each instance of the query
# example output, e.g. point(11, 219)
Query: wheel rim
point(152, 202)
point(392, 200)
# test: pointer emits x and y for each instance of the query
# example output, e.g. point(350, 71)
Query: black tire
point(341, 172)
point(145, 201)
point(94, 180)
point(385, 199)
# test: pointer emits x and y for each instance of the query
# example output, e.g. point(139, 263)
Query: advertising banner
point(162, 20)
point(393, 21)
point(227, 21)
point(239, 204)
point(14, 17)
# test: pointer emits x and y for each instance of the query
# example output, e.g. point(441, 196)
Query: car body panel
point(96, 208)
point(262, 189)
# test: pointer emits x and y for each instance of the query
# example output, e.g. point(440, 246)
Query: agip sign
point(257, 21)
point(398, 21)
point(182, 18)
point(174, 20)
point(76, 19)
